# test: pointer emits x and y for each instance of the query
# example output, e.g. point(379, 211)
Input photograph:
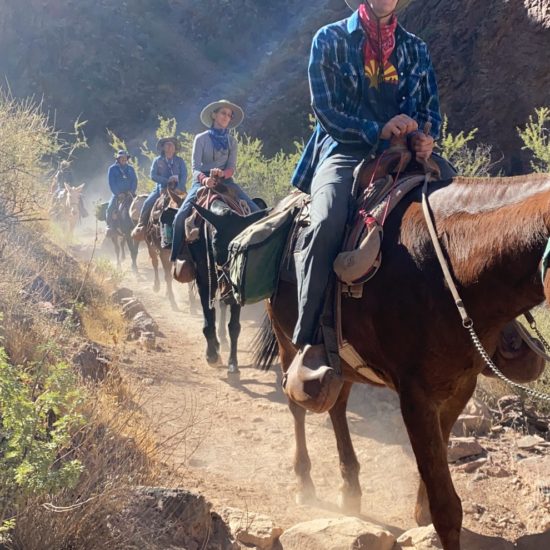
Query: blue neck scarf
point(220, 138)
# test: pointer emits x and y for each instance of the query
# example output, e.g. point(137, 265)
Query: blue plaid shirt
point(336, 80)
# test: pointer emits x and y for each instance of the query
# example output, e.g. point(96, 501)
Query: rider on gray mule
point(370, 80)
point(122, 179)
point(166, 169)
point(64, 176)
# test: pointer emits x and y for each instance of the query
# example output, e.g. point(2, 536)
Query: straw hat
point(209, 110)
point(401, 5)
point(162, 141)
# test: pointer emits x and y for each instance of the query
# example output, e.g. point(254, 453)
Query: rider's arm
point(231, 164)
point(133, 180)
point(196, 159)
point(155, 176)
point(182, 175)
point(328, 94)
point(113, 182)
point(428, 105)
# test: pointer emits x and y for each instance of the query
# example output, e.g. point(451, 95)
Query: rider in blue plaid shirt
point(370, 80)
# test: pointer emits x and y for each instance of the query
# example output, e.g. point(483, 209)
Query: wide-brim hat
point(162, 141)
point(401, 5)
point(209, 110)
point(122, 153)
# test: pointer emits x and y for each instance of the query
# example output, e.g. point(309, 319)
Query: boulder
point(131, 307)
point(120, 294)
point(91, 362)
point(251, 529)
point(337, 534)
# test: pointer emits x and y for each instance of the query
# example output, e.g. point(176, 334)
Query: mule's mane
point(478, 195)
point(484, 220)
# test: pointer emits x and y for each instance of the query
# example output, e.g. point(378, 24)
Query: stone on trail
point(120, 294)
point(337, 534)
point(529, 441)
point(92, 362)
point(426, 538)
point(474, 420)
point(463, 447)
point(251, 529)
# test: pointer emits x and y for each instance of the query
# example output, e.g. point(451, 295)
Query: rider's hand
point(217, 173)
point(210, 182)
point(398, 126)
point(422, 145)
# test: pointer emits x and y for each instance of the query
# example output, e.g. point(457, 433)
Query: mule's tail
point(265, 348)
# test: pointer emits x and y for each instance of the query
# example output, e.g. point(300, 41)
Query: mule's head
point(227, 224)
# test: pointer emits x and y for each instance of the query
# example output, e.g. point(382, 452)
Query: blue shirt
point(122, 178)
point(337, 80)
point(162, 169)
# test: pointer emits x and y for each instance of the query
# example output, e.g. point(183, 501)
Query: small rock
point(147, 340)
point(463, 447)
point(147, 381)
point(497, 471)
point(251, 529)
point(425, 538)
point(337, 534)
point(118, 295)
point(472, 466)
point(91, 362)
point(469, 424)
point(529, 441)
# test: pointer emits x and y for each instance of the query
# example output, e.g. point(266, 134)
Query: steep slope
point(119, 64)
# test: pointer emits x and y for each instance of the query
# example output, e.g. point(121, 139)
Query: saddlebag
point(255, 256)
point(101, 211)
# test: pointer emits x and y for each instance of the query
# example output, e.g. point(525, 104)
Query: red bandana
point(380, 41)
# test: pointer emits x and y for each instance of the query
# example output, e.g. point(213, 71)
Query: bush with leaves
point(468, 161)
point(28, 144)
point(39, 407)
point(536, 138)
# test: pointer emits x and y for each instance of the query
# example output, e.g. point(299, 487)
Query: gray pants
point(330, 200)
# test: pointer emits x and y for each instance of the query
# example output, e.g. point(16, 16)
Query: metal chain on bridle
point(467, 321)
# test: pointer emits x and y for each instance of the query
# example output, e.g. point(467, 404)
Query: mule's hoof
point(213, 360)
point(233, 369)
point(349, 504)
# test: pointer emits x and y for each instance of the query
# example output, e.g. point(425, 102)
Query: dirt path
point(238, 446)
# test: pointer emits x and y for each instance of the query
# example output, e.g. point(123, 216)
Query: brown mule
point(494, 231)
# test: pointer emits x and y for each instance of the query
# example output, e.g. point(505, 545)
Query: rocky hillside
point(119, 64)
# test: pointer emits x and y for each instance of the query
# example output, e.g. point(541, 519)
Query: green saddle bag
point(101, 211)
point(255, 257)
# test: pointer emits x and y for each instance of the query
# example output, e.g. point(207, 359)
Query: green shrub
point(536, 138)
point(468, 161)
point(39, 407)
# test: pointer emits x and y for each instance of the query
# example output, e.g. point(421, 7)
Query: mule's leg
point(133, 247)
point(302, 464)
point(209, 317)
point(122, 249)
point(222, 333)
point(117, 251)
point(167, 267)
point(350, 492)
point(234, 328)
point(155, 262)
point(448, 414)
point(422, 419)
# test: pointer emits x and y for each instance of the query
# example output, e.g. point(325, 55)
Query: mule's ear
point(81, 186)
point(67, 187)
point(209, 216)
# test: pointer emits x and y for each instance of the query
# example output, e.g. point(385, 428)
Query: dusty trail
point(240, 448)
point(239, 444)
